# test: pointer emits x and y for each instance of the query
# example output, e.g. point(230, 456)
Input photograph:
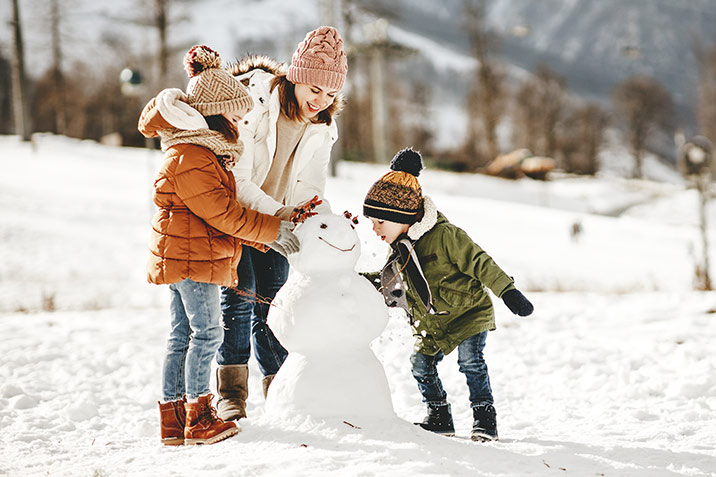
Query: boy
point(438, 275)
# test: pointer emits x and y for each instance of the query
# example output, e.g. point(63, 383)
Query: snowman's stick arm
point(255, 296)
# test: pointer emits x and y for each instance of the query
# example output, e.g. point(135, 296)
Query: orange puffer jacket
point(199, 228)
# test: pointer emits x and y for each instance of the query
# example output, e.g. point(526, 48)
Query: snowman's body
point(326, 315)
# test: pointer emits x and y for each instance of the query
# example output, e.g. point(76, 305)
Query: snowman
point(326, 315)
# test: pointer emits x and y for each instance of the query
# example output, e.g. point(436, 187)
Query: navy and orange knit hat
point(397, 196)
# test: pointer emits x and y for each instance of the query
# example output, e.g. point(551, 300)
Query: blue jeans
point(472, 365)
point(195, 335)
point(260, 276)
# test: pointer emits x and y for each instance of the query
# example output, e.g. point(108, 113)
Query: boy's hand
point(517, 303)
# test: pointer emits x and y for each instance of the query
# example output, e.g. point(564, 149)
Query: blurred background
point(507, 87)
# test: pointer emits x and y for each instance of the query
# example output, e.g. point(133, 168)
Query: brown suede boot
point(172, 416)
point(202, 424)
point(266, 382)
point(232, 384)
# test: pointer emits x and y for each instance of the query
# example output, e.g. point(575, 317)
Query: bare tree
point(396, 106)
point(487, 91)
point(420, 133)
point(582, 139)
point(356, 131)
point(644, 105)
point(19, 94)
point(706, 107)
point(57, 74)
point(161, 15)
point(539, 110)
point(356, 127)
point(5, 96)
point(526, 117)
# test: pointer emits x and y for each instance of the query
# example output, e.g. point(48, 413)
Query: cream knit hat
point(320, 60)
point(211, 89)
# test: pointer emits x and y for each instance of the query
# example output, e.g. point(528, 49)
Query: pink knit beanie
point(320, 60)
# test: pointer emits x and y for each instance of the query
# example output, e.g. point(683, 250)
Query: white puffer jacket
point(310, 165)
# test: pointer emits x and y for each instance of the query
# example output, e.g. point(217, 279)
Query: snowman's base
point(316, 387)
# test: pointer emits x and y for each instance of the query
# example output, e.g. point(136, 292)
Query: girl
point(288, 137)
point(197, 234)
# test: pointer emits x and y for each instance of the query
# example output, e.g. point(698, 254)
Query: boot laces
point(208, 412)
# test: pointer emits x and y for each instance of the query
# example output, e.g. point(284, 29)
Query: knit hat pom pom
point(200, 58)
point(407, 160)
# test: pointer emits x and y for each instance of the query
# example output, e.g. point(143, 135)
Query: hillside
point(594, 45)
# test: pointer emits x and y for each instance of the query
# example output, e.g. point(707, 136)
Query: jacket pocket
point(458, 298)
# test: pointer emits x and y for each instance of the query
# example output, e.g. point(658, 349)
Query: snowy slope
point(613, 375)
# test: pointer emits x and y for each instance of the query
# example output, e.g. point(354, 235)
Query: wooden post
point(695, 163)
point(704, 181)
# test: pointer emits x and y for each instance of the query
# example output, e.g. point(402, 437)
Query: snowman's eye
point(324, 226)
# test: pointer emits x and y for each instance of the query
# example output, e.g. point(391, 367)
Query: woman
point(197, 234)
point(282, 173)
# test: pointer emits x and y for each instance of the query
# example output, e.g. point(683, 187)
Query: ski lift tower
point(695, 162)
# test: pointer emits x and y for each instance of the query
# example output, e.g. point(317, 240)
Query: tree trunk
point(380, 146)
point(636, 150)
point(489, 110)
point(483, 108)
point(163, 59)
point(59, 78)
point(331, 14)
point(19, 96)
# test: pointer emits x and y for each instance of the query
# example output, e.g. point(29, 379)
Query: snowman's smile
point(338, 248)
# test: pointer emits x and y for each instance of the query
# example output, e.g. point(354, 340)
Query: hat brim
point(379, 210)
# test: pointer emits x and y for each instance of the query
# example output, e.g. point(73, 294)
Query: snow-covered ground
point(614, 374)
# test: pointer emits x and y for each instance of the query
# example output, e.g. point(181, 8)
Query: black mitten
point(517, 303)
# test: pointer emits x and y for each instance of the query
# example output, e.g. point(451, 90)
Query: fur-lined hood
point(260, 62)
point(430, 218)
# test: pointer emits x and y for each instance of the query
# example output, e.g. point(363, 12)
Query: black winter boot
point(484, 425)
point(438, 420)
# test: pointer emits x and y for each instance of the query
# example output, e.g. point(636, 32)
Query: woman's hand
point(301, 212)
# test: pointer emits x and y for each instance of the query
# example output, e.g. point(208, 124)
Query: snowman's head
point(329, 242)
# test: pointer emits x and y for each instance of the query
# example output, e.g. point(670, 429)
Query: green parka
point(457, 271)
